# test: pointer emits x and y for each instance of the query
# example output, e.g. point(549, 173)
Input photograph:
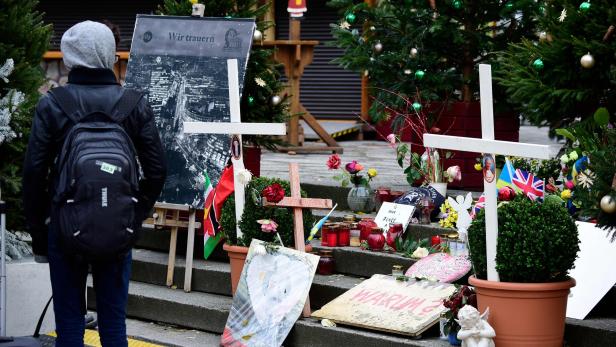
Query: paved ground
point(369, 153)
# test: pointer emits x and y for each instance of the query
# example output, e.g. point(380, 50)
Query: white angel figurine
point(462, 205)
point(474, 328)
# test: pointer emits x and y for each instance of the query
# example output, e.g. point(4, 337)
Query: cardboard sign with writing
point(386, 304)
point(391, 213)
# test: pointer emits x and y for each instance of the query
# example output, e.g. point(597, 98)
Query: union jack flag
point(527, 183)
point(478, 206)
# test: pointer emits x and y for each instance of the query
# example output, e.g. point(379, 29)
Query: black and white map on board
point(180, 63)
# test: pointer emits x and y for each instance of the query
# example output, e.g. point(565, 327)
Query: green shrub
point(253, 211)
point(536, 242)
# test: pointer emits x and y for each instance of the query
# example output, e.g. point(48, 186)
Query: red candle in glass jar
point(344, 235)
point(376, 239)
point(327, 263)
point(365, 228)
point(435, 241)
point(324, 231)
point(332, 236)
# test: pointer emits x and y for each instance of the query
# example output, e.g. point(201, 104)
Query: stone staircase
point(206, 307)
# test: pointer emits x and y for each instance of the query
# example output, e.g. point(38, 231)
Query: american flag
point(530, 185)
point(478, 206)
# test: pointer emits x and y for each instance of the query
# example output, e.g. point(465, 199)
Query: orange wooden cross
point(298, 203)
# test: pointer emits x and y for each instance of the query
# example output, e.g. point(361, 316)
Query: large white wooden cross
point(236, 128)
point(488, 145)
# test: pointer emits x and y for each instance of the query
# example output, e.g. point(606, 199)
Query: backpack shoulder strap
point(67, 103)
point(127, 103)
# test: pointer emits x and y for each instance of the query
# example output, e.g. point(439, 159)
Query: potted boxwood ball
point(537, 246)
point(259, 222)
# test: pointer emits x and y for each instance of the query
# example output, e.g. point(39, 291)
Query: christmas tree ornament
point(544, 36)
point(587, 61)
point(457, 4)
point(608, 204)
point(602, 116)
point(414, 52)
point(407, 71)
point(276, 100)
point(251, 101)
point(372, 28)
point(351, 18)
point(585, 6)
point(419, 74)
point(378, 47)
point(257, 35)
point(416, 106)
point(509, 5)
point(538, 64)
point(609, 33)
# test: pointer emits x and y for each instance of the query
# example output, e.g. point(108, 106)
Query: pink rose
point(569, 184)
point(268, 225)
point(391, 138)
point(333, 163)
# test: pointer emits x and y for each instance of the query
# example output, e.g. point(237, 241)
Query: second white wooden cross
point(488, 145)
point(236, 128)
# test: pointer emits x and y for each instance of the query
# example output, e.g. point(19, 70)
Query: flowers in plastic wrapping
point(268, 225)
point(273, 193)
point(448, 215)
point(334, 161)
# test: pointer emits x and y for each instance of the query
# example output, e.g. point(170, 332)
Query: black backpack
point(97, 181)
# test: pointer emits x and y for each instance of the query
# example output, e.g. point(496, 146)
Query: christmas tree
point(568, 71)
point(261, 96)
point(427, 50)
point(23, 41)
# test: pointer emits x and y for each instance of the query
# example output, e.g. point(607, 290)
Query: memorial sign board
point(391, 213)
point(180, 63)
point(270, 296)
point(386, 304)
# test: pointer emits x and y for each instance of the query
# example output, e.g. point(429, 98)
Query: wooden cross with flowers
point(273, 197)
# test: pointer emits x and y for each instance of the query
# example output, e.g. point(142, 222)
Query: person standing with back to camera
point(93, 169)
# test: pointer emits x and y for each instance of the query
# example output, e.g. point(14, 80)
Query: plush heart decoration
point(441, 266)
point(277, 284)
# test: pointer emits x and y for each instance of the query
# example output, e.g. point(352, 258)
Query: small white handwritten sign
point(391, 213)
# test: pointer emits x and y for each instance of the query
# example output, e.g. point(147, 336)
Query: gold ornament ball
point(608, 205)
point(587, 61)
point(414, 52)
point(258, 35)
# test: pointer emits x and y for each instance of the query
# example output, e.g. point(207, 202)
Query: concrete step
point(591, 332)
point(215, 277)
point(169, 335)
point(208, 312)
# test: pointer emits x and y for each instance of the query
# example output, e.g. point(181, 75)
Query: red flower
point(273, 193)
point(333, 163)
point(506, 194)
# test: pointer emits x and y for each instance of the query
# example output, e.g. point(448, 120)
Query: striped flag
point(479, 205)
point(527, 183)
point(215, 198)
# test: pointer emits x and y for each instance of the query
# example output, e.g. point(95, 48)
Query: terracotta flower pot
point(237, 258)
point(525, 314)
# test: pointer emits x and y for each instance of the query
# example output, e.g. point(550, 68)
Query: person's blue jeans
point(68, 284)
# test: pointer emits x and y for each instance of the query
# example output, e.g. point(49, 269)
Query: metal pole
point(2, 269)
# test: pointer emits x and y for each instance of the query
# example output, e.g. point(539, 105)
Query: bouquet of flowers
point(351, 172)
point(463, 296)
